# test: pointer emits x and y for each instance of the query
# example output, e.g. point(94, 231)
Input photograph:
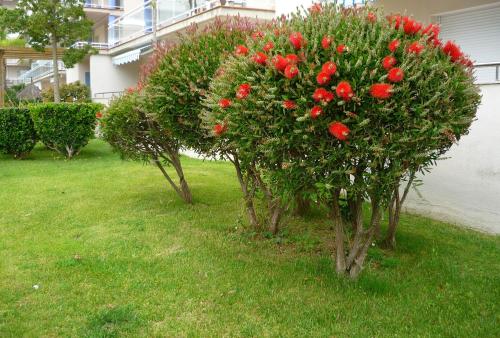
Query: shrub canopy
point(65, 127)
point(343, 100)
point(179, 76)
point(17, 132)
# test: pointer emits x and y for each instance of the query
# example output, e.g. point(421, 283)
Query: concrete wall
point(465, 188)
point(106, 77)
point(77, 73)
point(423, 9)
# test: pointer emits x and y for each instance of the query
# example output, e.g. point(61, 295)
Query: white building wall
point(106, 78)
point(465, 188)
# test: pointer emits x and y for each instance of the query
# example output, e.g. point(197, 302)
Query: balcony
point(103, 4)
point(40, 70)
point(139, 22)
point(96, 45)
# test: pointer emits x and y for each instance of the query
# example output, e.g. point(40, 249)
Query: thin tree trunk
point(395, 212)
point(247, 195)
point(57, 97)
point(357, 264)
point(275, 217)
point(184, 188)
point(340, 259)
point(376, 216)
point(167, 177)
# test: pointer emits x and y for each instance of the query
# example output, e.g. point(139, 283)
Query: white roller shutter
point(477, 32)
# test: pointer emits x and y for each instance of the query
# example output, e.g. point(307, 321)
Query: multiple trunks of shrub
point(63, 127)
point(339, 107)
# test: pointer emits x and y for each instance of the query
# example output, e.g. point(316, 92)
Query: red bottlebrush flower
point(344, 90)
point(395, 75)
point(259, 58)
point(219, 129)
point(395, 20)
point(257, 35)
point(279, 62)
point(467, 62)
point(130, 90)
point(371, 17)
point(453, 51)
point(243, 91)
point(268, 46)
point(329, 67)
point(289, 104)
point(323, 95)
point(326, 42)
point(341, 49)
point(277, 32)
point(411, 26)
point(339, 130)
point(316, 111)
point(381, 91)
point(315, 8)
point(224, 103)
point(415, 47)
point(436, 42)
point(323, 78)
point(297, 40)
point(291, 71)
point(98, 115)
point(388, 62)
point(241, 50)
point(393, 45)
point(432, 31)
point(292, 59)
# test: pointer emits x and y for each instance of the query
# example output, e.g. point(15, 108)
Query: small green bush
point(65, 127)
point(70, 92)
point(17, 132)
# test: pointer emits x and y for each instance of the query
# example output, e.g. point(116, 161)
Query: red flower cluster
point(371, 17)
point(297, 40)
point(259, 58)
point(415, 48)
point(316, 111)
point(329, 68)
point(257, 35)
point(243, 91)
point(323, 78)
point(224, 103)
point(315, 8)
point(388, 62)
point(339, 130)
point(381, 91)
point(292, 58)
point(241, 50)
point(289, 104)
point(411, 26)
point(393, 45)
point(326, 42)
point(453, 51)
point(98, 115)
point(344, 90)
point(341, 49)
point(219, 129)
point(395, 75)
point(291, 71)
point(268, 46)
point(323, 95)
point(279, 62)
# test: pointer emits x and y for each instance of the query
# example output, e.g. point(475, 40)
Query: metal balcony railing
point(39, 70)
point(96, 45)
point(103, 4)
point(487, 72)
point(139, 21)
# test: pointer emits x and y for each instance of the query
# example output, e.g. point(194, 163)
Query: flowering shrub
point(181, 75)
point(366, 103)
point(65, 127)
point(134, 134)
point(17, 132)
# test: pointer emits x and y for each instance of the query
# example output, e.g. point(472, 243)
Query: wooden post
point(2, 80)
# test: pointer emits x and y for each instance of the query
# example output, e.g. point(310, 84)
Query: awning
point(127, 57)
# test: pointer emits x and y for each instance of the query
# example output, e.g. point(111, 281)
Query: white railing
point(96, 45)
point(487, 72)
point(139, 21)
point(102, 4)
point(39, 70)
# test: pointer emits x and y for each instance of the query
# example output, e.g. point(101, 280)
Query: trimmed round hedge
point(17, 132)
point(65, 127)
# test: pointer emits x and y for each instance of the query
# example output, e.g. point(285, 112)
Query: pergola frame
point(20, 53)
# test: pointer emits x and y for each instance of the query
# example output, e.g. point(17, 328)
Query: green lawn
point(116, 253)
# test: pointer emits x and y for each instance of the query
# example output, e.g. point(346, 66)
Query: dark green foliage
point(183, 74)
point(70, 92)
point(65, 127)
point(17, 132)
